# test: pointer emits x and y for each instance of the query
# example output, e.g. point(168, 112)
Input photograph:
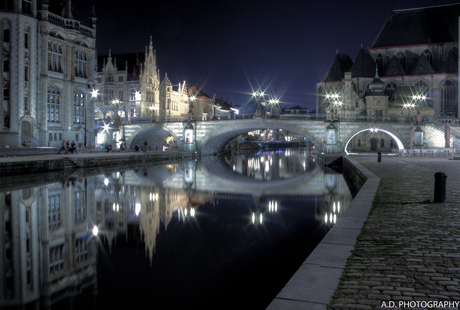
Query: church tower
point(150, 84)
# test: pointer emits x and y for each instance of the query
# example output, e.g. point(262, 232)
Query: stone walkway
point(409, 248)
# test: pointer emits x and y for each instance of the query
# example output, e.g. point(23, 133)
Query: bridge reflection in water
point(213, 234)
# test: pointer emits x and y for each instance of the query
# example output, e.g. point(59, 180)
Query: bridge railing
point(289, 116)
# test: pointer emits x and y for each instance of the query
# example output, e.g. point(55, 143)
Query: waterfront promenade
point(409, 247)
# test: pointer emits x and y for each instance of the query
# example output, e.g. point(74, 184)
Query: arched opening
point(394, 138)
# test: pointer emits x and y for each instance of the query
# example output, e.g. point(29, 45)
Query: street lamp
point(94, 93)
point(257, 95)
point(274, 107)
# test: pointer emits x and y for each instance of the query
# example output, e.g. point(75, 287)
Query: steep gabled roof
point(341, 64)
point(132, 58)
point(420, 26)
point(422, 66)
point(451, 65)
point(395, 68)
point(364, 65)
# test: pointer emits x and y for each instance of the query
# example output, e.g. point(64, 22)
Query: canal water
point(222, 233)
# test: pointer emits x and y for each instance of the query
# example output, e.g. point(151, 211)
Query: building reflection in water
point(50, 234)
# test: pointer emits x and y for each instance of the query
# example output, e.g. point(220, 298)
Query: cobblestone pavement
point(409, 248)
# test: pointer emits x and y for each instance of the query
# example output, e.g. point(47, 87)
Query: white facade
point(47, 62)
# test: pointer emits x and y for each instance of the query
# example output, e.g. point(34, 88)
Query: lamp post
point(274, 108)
point(94, 93)
point(257, 95)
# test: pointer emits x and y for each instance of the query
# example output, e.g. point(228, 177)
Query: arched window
point(454, 52)
point(448, 99)
point(52, 112)
point(80, 63)
point(429, 56)
point(79, 106)
point(390, 88)
point(54, 57)
point(401, 58)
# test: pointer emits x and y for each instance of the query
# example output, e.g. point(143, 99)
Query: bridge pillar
point(331, 139)
point(189, 140)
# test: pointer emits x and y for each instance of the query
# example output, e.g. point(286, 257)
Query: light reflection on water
point(170, 236)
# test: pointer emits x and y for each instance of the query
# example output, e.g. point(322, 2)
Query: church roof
point(364, 65)
point(341, 64)
point(420, 26)
point(395, 68)
point(422, 66)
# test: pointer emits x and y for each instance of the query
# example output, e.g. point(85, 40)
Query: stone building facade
point(48, 58)
point(415, 70)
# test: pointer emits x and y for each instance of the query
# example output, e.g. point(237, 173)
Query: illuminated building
point(404, 71)
point(48, 60)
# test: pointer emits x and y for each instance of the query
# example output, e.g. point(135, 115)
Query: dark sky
point(229, 48)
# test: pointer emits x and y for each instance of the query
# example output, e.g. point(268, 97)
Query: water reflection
point(198, 232)
point(274, 164)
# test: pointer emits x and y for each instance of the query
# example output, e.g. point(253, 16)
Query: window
point(401, 57)
point(120, 94)
point(382, 143)
point(357, 104)
point(80, 207)
point(56, 259)
point(392, 145)
point(27, 6)
point(453, 52)
point(54, 213)
point(390, 88)
point(80, 64)
point(359, 142)
point(429, 56)
point(51, 137)
point(52, 112)
point(54, 57)
point(6, 4)
point(109, 77)
point(132, 112)
point(6, 32)
point(448, 99)
point(26, 38)
point(120, 78)
point(79, 107)
point(81, 251)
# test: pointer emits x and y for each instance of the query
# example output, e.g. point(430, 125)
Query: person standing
point(145, 146)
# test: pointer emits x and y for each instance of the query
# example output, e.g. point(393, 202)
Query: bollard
point(440, 187)
point(379, 157)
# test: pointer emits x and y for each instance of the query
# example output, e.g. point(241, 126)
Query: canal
point(221, 233)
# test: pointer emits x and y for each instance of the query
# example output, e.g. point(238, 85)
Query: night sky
point(230, 48)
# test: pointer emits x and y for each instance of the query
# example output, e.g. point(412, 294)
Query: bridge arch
point(386, 130)
point(216, 141)
point(155, 135)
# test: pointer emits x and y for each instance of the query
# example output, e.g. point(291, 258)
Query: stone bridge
point(211, 137)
